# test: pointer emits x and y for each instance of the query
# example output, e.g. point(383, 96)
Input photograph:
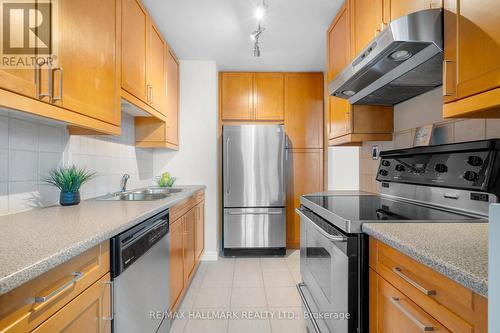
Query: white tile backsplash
point(30, 147)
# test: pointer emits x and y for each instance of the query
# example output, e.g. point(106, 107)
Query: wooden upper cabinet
point(304, 109)
point(134, 48)
point(19, 81)
point(367, 22)
point(172, 67)
point(400, 8)
point(156, 70)
point(236, 96)
point(339, 55)
point(84, 79)
point(269, 96)
point(471, 82)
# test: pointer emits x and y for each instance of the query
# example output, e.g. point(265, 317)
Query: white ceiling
point(220, 30)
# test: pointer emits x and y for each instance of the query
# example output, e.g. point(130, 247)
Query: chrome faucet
point(123, 183)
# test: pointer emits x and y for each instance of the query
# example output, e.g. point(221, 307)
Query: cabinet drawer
point(20, 313)
point(89, 312)
point(184, 206)
point(456, 307)
point(397, 313)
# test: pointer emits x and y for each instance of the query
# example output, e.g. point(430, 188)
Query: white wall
point(31, 146)
point(196, 161)
point(343, 168)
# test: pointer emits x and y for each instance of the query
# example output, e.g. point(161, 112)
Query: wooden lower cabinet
point(199, 228)
point(407, 296)
point(304, 175)
point(186, 244)
point(89, 312)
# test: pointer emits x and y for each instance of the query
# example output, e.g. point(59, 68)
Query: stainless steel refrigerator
point(253, 163)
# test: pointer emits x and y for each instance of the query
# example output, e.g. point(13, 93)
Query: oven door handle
point(307, 308)
point(319, 229)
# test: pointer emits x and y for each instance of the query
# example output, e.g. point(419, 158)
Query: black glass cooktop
point(374, 207)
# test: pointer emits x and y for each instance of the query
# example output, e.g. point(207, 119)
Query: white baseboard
point(210, 256)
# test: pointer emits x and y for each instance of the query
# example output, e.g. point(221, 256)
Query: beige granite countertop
point(456, 250)
point(33, 242)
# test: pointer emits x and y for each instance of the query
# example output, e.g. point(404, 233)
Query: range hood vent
point(403, 61)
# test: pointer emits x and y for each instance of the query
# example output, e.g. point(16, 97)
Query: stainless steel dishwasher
point(140, 272)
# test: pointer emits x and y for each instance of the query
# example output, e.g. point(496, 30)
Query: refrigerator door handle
point(269, 212)
point(228, 189)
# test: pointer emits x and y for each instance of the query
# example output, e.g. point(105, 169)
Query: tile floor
point(262, 288)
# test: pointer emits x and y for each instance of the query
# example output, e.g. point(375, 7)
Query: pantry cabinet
point(471, 75)
point(304, 175)
point(186, 244)
point(353, 27)
point(304, 110)
point(251, 96)
point(407, 296)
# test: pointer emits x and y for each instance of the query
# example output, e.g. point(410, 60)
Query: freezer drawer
point(254, 228)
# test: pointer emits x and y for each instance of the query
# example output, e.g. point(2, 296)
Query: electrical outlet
point(375, 152)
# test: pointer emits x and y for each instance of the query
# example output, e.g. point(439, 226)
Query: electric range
point(435, 184)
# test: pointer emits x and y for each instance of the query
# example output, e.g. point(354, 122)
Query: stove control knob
point(383, 172)
point(475, 161)
point(386, 163)
point(400, 168)
point(471, 176)
point(441, 168)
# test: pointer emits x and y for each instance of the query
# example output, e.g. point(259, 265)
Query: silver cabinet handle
point(318, 228)
point(112, 290)
point(228, 144)
point(256, 213)
point(399, 272)
point(152, 96)
point(307, 307)
point(38, 80)
point(60, 97)
point(42, 299)
point(397, 303)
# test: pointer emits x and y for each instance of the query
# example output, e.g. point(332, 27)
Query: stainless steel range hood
point(403, 61)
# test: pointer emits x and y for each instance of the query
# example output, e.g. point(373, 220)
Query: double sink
point(146, 194)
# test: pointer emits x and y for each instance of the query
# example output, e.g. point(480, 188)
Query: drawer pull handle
point(400, 273)
point(397, 303)
point(44, 299)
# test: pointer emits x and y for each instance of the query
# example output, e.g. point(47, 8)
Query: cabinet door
point(268, 96)
point(176, 260)
point(339, 55)
point(236, 96)
point(19, 81)
point(366, 22)
point(304, 110)
point(397, 313)
point(172, 67)
point(156, 70)
point(400, 8)
point(189, 244)
point(86, 313)
point(84, 80)
point(304, 175)
point(472, 45)
point(200, 230)
point(134, 48)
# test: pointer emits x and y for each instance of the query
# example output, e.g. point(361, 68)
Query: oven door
point(329, 273)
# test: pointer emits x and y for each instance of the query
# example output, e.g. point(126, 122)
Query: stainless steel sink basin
point(146, 194)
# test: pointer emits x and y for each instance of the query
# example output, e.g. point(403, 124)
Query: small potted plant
point(69, 180)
